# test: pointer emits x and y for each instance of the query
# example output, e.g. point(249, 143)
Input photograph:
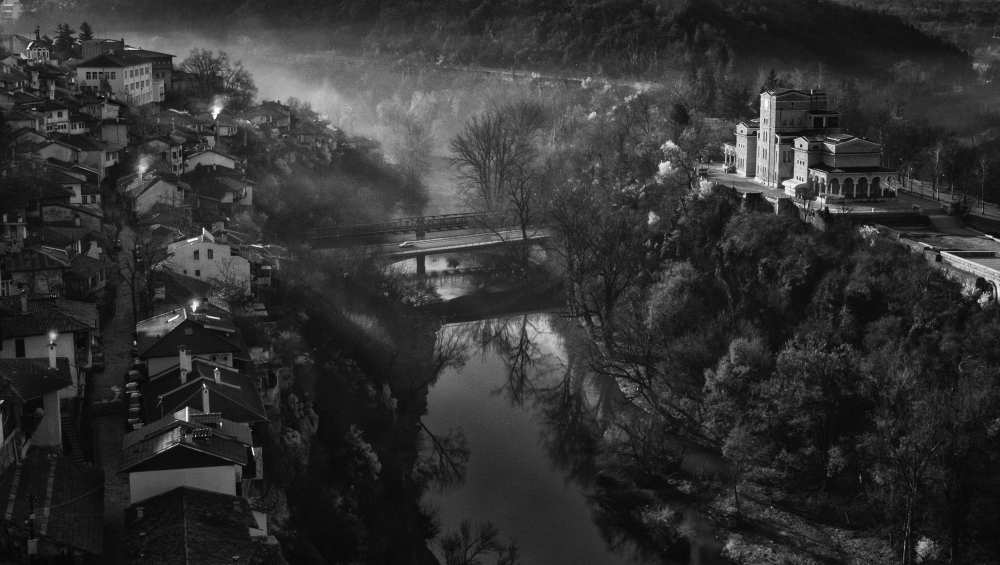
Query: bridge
point(375, 235)
point(417, 225)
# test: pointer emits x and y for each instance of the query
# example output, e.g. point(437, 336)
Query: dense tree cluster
point(841, 371)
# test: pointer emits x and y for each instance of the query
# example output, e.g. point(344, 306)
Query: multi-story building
point(202, 257)
point(797, 141)
point(128, 77)
point(163, 64)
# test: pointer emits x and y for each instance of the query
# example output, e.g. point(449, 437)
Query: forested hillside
point(616, 36)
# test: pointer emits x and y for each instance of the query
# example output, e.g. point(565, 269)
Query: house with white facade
point(127, 76)
point(203, 258)
point(38, 329)
point(195, 329)
point(210, 158)
point(153, 190)
point(190, 448)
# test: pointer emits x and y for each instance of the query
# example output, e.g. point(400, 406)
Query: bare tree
point(498, 159)
point(471, 543)
point(216, 74)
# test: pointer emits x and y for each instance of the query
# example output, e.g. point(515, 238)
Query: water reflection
point(539, 418)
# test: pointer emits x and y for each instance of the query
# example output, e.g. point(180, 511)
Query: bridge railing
point(440, 222)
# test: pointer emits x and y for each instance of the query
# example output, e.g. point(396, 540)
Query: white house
point(154, 190)
point(95, 153)
point(203, 258)
point(190, 448)
point(174, 337)
point(31, 327)
point(209, 158)
point(55, 115)
point(128, 77)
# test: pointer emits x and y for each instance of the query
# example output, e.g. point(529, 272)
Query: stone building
point(797, 142)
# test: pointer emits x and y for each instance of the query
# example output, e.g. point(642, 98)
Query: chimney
point(184, 361)
point(217, 374)
point(205, 405)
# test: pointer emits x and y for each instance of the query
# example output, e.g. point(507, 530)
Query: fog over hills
point(610, 36)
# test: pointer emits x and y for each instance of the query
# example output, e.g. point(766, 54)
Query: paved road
point(109, 428)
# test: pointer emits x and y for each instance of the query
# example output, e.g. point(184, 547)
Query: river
point(495, 391)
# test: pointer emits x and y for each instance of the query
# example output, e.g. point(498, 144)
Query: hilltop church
point(797, 140)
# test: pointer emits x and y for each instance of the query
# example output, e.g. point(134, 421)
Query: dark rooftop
point(74, 493)
point(177, 444)
point(44, 316)
point(189, 526)
point(27, 379)
point(234, 394)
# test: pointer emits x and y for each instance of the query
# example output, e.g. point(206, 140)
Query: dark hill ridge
point(617, 36)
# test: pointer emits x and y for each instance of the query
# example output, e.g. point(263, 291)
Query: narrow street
point(109, 421)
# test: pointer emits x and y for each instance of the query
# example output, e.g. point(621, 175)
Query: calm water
point(511, 479)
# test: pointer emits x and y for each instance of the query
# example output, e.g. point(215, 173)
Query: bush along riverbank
point(344, 438)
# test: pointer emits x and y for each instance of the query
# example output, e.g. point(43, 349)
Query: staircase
point(72, 447)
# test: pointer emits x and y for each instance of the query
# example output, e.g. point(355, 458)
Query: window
point(197, 273)
point(60, 114)
point(19, 348)
point(211, 254)
point(197, 254)
point(114, 75)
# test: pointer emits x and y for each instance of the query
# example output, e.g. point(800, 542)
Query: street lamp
point(53, 337)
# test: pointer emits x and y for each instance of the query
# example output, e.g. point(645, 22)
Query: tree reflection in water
point(591, 433)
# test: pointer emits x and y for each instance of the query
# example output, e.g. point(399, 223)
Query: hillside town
point(129, 395)
point(717, 323)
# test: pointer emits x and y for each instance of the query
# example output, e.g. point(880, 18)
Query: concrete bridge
point(421, 248)
point(419, 226)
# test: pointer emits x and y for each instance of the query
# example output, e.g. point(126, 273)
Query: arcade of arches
point(848, 186)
